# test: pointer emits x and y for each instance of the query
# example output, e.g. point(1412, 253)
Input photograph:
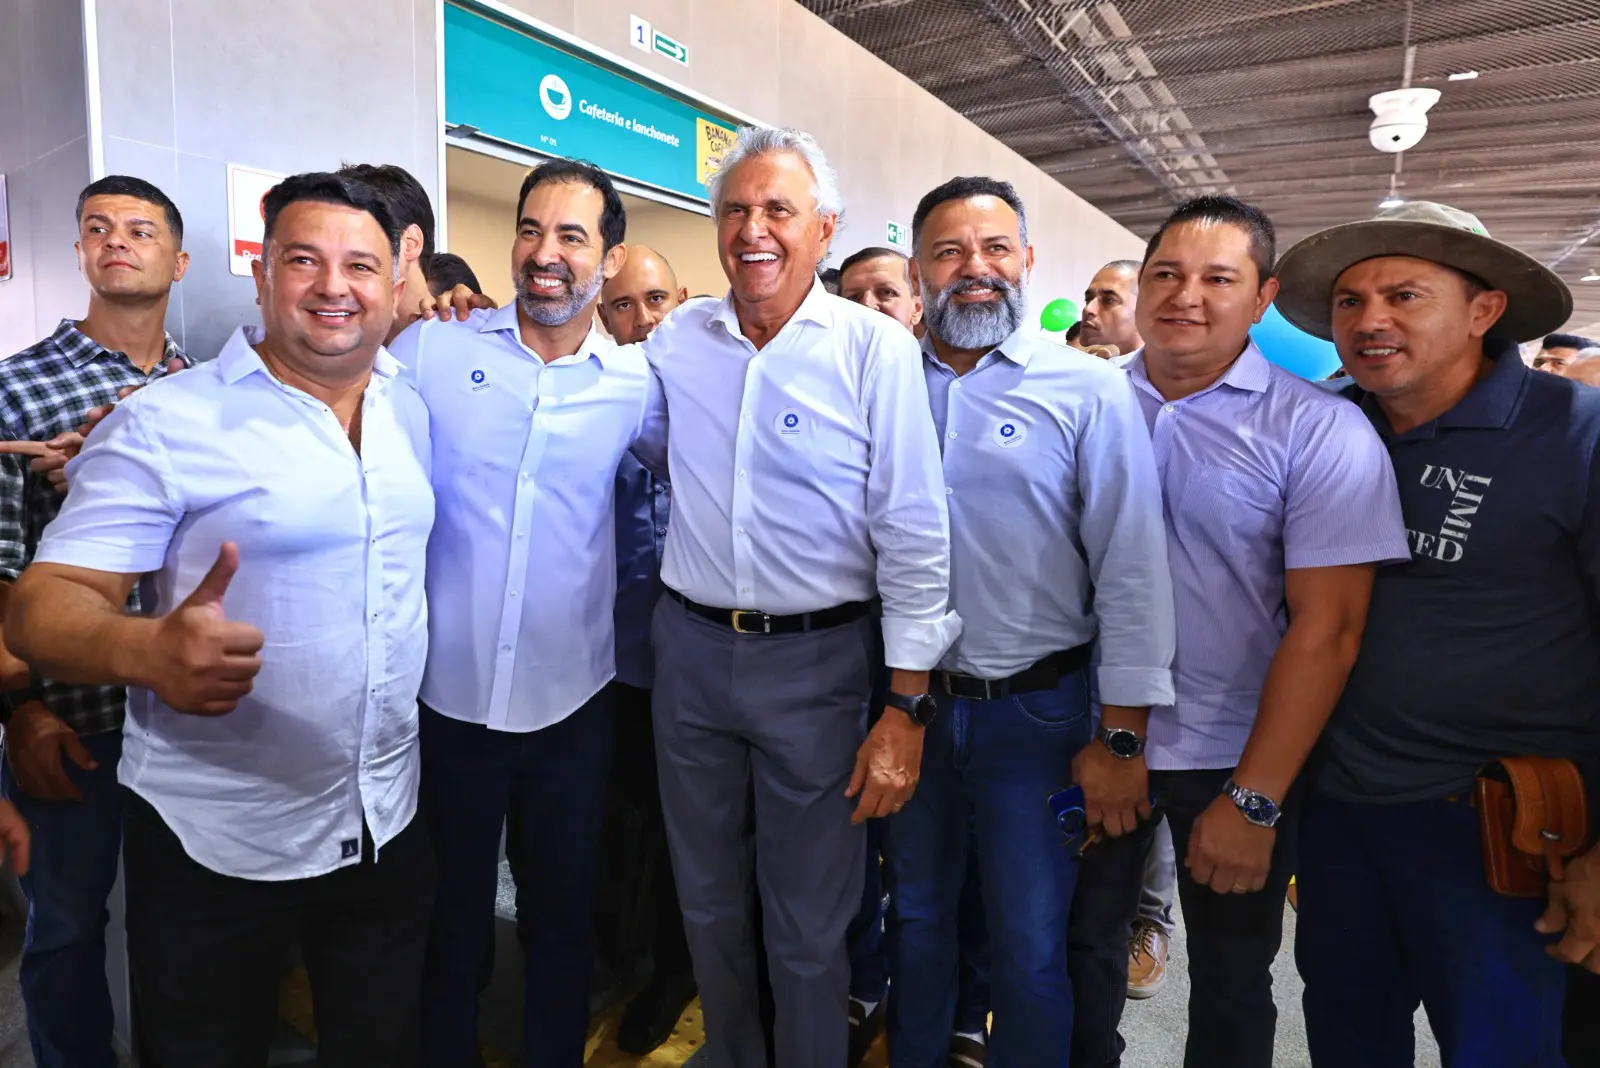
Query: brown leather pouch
point(1534, 815)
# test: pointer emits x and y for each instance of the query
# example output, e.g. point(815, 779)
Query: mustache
point(554, 270)
point(988, 281)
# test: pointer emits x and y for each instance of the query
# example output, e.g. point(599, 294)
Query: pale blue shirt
point(1263, 471)
point(522, 568)
point(332, 545)
point(644, 507)
point(1055, 517)
point(805, 474)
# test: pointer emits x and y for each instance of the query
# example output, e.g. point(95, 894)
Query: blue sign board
point(518, 88)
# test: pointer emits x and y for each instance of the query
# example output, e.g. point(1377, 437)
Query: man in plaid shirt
point(63, 743)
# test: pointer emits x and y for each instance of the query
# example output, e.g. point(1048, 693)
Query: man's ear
point(411, 242)
point(614, 261)
point(181, 266)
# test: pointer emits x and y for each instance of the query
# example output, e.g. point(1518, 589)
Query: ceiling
point(1137, 104)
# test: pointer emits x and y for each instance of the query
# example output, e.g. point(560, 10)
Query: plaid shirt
point(44, 391)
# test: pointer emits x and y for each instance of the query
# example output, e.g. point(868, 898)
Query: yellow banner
point(711, 144)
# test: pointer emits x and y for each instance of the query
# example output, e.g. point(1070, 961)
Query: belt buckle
point(738, 622)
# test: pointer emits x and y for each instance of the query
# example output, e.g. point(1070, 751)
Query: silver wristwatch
point(1258, 808)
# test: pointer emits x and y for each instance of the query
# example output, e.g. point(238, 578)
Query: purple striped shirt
point(1262, 472)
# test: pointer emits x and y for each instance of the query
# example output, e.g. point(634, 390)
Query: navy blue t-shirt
point(1487, 644)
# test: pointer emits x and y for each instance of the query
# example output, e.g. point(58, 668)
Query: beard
point(974, 326)
point(559, 306)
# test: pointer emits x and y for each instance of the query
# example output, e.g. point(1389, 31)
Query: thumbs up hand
point(205, 664)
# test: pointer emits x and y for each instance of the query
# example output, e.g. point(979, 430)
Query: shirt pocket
point(1231, 510)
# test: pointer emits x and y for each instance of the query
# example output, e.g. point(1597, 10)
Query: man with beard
point(637, 891)
point(1054, 504)
point(1108, 307)
point(533, 409)
point(805, 484)
point(274, 505)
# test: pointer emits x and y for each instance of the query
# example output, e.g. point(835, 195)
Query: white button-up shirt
point(806, 474)
point(1055, 516)
point(331, 551)
point(522, 572)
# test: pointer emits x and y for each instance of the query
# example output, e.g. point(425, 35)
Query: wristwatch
point(1123, 743)
point(922, 708)
point(1258, 808)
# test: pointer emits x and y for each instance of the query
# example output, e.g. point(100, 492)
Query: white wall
point(44, 154)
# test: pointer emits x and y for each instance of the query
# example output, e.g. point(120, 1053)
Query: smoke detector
point(1402, 118)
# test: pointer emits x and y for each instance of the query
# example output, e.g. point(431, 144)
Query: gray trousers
point(1160, 880)
point(756, 739)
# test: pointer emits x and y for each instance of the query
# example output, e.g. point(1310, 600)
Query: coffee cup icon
point(555, 96)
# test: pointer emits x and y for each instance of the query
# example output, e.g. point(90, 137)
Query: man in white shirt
point(275, 503)
point(1056, 545)
point(532, 411)
point(806, 483)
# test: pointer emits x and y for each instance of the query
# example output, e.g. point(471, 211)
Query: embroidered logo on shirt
point(1009, 434)
point(479, 381)
point(349, 848)
point(788, 423)
point(1466, 494)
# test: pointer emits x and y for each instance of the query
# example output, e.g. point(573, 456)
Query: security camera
point(1402, 118)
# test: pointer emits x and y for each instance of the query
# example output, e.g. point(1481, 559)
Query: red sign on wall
point(247, 188)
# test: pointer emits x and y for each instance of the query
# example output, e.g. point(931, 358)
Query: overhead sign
point(897, 235)
point(646, 38)
point(585, 110)
point(247, 216)
point(5, 234)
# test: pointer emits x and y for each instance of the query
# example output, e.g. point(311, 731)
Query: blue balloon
point(1292, 349)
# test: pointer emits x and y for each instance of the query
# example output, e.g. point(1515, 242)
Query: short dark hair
point(1568, 341)
point(445, 270)
point(866, 255)
point(1217, 208)
point(123, 185)
point(1074, 331)
point(965, 189)
point(829, 277)
point(324, 188)
point(613, 216)
point(408, 201)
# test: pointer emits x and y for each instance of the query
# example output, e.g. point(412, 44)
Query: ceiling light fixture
point(1394, 199)
point(1463, 76)
point(1592, 276)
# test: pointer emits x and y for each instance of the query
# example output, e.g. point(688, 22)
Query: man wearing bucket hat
point(1485, 645)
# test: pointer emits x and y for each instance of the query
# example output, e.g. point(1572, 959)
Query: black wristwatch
point(922, 708)
point(1123, 743)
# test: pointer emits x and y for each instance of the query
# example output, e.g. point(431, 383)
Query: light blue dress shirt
point(1262, 471)
point(522, 567)
point(1055, 517)
point(644, 507)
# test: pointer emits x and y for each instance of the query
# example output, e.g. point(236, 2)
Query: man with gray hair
point(1585, 367)
point(1057, 544)
point(806, 485)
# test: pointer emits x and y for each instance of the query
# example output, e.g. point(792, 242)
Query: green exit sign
point(673, 50)
point(897, 235)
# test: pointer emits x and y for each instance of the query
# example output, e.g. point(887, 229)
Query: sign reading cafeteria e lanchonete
point(247, 226)
point(518, 88)
point(5, 234)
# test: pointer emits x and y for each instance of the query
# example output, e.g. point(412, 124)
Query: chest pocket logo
point(788, 423)
point(1010, 433)
point(479, 381)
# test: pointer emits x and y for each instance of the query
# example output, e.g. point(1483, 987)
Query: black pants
point(1232, 938)
point(1581, 1021)
point(207, 951)
point(638, 913)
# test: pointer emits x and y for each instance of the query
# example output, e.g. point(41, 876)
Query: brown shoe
point(1147, 960)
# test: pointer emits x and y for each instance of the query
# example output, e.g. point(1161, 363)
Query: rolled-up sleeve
point(1123, 529)
point(123, 508)
point(906, 512)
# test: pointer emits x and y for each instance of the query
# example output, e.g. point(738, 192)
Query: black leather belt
point(1044, 675)
point(747, 622)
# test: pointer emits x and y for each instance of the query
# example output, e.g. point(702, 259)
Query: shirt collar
point(816, 308)
point(80, 348)
point(1489, 405)
point(1251, 372)
point(1017, 347)
point(239, 359)
point(595, 343)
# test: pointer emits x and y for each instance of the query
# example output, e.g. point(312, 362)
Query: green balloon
point(1058, 315)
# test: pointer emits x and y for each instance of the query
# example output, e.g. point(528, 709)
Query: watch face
point(1258, 808)
point(927, 708)
point(1122, 743)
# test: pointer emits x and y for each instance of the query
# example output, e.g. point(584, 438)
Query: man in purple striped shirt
point(1280, 506)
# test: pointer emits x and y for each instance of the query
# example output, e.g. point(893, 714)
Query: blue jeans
point(471, 776)
point(988, 768)
point(74, 866)
point(1395, 911)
